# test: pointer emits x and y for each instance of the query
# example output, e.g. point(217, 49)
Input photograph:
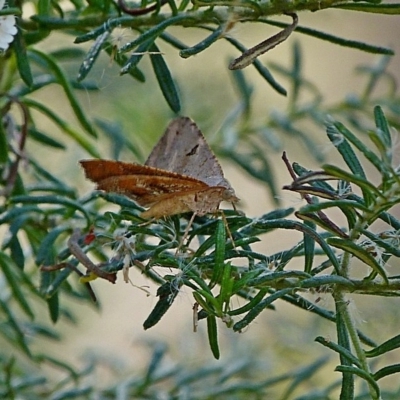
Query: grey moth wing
point(183, 149)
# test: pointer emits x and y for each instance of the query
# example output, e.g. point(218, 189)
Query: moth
point(180, 175)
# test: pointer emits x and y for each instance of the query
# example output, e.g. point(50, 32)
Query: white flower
point(7, 29)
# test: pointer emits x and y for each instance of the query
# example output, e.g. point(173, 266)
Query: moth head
point(229, 195)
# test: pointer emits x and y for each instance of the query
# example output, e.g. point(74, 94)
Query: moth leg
point(234, 206)
point(148, 222)
point(185, 234)
point(228, 231)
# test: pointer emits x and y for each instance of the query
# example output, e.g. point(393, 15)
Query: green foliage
point(52, 233)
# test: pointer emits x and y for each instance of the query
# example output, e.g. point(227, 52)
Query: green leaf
point(17, 252)
point(256, 165)
point(382, 124)
point(54, 307)
point(154, 364)
point(364, 184)
point(22, 58)
point(13, 277)
point(10, 10)
point(369, 155)
point(344, 352)
point(303, 376)
point(118, 199)
point(342, 204)
point(387, 9)
point(155, 31)
point(204, 44)
point(309, 248)
point(16, 212)
point(45, 175)
point(43, 331)
point(254, 301)
point(167, 294)
point(381, 137)
point(256, 310)
point(296, 73)
point(345, 150)
point(277, 214)
point(61, 365)
point(45, 252)
point(362, 374)
point(67, 53)
point(49, 287)
point(121, 60)
point(131, 63)
point(287, 224)
point(18, 334)
point(108, 26)
point(348, 207)
point(46, 60)
point(92, 55)
point(384, 241)
point(3, 145)
point(226, 288)
point(119, 141)
point(64, 126)
point(354, 44)
point(360, 253)
point(284, 122)
point(389, 345)
point(213, 306)
point(213, 335)
point(203, 303)
point(67, 394)
point(165, 80)
point(173, 6)
point(346, 356)
point(386, 371)
point(245, 89)
point(52, 200)
point(304, 172)
point(220, 242)
point(44, 139)
point(266, 279)
point(173, 41)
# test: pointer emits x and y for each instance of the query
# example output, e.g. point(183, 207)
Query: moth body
point(180, 175)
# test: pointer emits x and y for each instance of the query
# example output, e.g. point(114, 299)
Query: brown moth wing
point(200, 202)
point(96, 170)
point(184, 150)
point(148, 189)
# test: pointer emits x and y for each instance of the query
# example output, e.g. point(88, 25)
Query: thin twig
point(76, 250)
point(309, 200)
point(56, 267)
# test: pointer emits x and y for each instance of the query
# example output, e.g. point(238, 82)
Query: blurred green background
point(279, 340)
